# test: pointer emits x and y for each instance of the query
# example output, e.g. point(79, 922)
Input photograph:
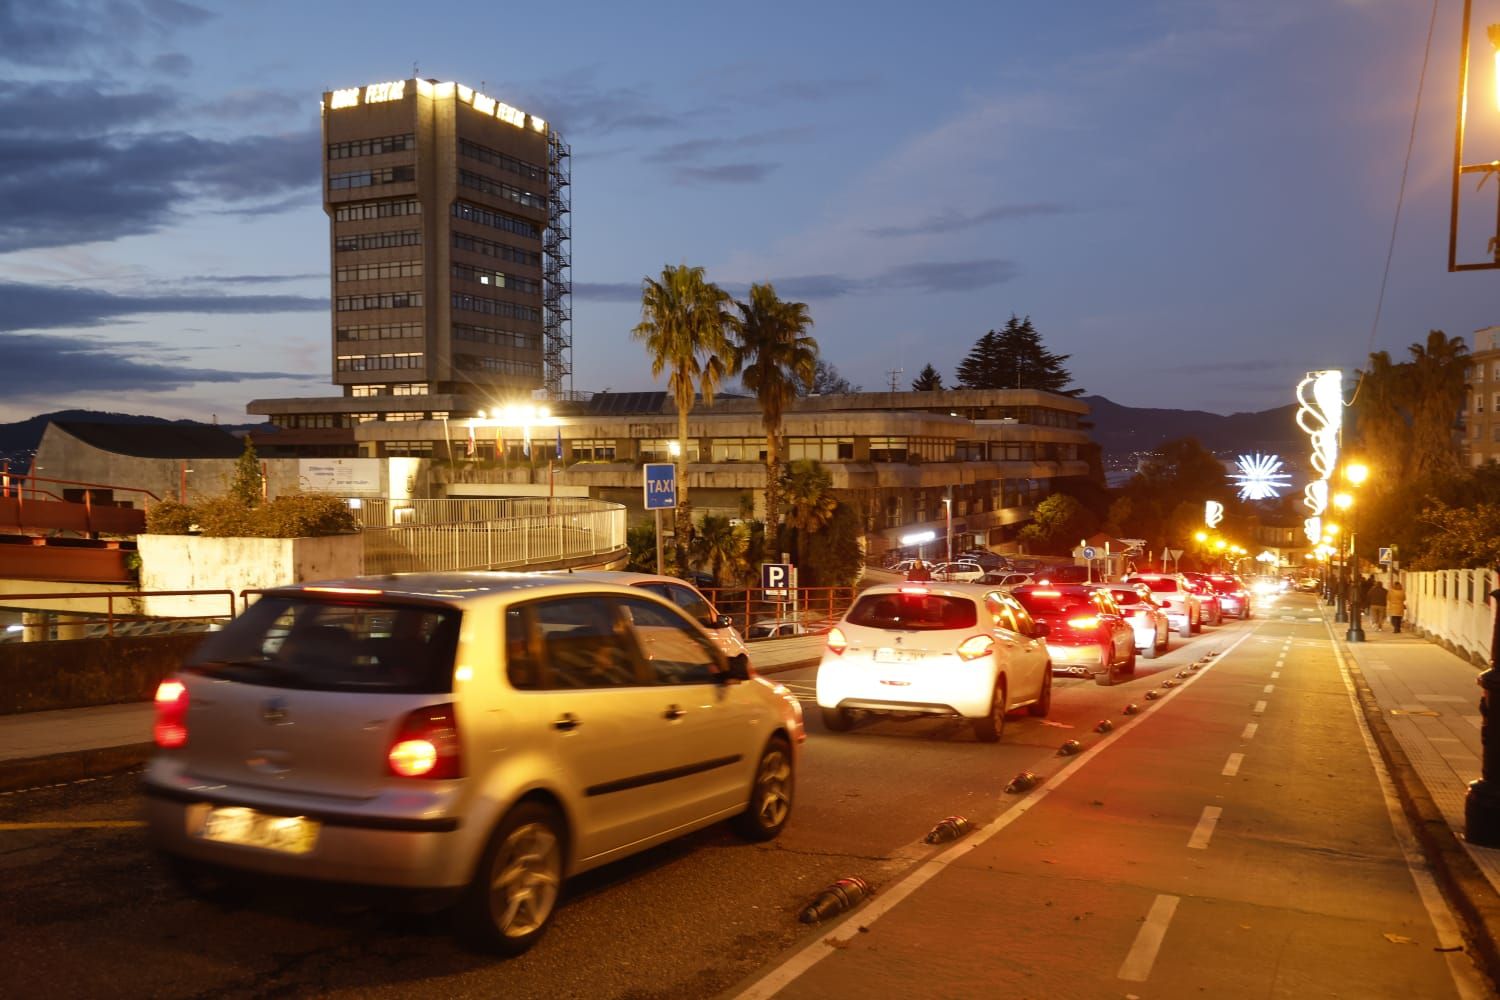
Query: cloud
point(50, 365)
point(576, 104)
point(48, 307)
point(694, 150)
point(255, 103)
point(934, 277)
point(74, 108)
point(951, 221)
point(63, 32)
point(616, 291)
point(172, 64)
point(727, 173)
point(948, 276)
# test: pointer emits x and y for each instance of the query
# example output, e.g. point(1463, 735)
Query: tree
point(1437, 397)
point(1462, 537)
point(1014, 358)
point(685, 325)
point(835, 555)
point(719, 545)
point(927, 380)
point(828, 382)
point(247, 487)
point(808, 489)
point(1058, 523)
point(774, 357)
point(1381, 423)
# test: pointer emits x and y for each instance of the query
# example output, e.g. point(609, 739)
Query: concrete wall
point(1449, 606)
point(191, 562)
point(77, 673)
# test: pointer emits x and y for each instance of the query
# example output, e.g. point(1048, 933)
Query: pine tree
point(1014, 358)
point(247, 484)
point(927, 380)
point(981, 369)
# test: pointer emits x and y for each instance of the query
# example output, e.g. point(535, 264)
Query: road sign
point(775, 578)
point(660, 485)
point(1385, 555)
point(1176, 554)
point(1089, 552)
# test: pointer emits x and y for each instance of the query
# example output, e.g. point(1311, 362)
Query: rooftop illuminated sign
point(395, 90)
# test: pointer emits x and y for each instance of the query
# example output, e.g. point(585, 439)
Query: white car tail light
point(975, 647)
point(837, 643)
point(427, 745)
point(170, 728)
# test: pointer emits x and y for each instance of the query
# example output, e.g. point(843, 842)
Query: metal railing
point(119, 615)
point(380, 512)
point(512, 542)
point(815, 608)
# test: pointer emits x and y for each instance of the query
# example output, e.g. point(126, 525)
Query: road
point(1232, 839)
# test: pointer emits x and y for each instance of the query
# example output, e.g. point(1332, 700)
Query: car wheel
point(1130, 661)
point(1043, 705)
point(1198, 626)
point(1106, 676)
point(1187, 628)
point(836, 719)
point(510, 902)
point(770, 803)
point(990, 728)
point(1151, 650)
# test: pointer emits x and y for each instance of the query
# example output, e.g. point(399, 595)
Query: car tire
point(1129, 670)
point(1040, 708)
point(1198, 626)
point(836, 720)
point(1151, 651)
point(1106, 676)
point(991, 727)
point(509, 903)
point(1187, 629)
point(770, 804)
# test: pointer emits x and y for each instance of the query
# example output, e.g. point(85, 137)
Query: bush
point(169, 517)
point(297, 515)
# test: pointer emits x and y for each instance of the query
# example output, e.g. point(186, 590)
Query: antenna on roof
point(415, 72)
point(895, 373)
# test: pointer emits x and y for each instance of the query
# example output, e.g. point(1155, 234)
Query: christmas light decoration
point(1260, 477)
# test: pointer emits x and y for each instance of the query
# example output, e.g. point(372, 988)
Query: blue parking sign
point(660, 485)
point(775, 579)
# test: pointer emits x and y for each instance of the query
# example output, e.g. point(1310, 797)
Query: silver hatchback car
point(489, 734)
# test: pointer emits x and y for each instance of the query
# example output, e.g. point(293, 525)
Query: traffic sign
point(775, 578)
point(1089, 552)
point(1385, 555)
point(660, 485)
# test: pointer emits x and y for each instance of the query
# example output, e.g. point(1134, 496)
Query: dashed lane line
point(1204, 831)
point(1250, 728)
point(1269, 688)
point(1232, 765)
point(81, 824)
point(1260, 708)
point(1137, 965)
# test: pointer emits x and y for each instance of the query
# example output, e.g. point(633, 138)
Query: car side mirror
point(720, 621)
point(737, 668)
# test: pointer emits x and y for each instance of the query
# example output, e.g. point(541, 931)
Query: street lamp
point(1334, 591)
point(1355, 474)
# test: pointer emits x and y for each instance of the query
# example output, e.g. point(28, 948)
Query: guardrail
point(380, 512)
point(117, 618)
point(1450, 605)
point(538, 539)
point(815, 609)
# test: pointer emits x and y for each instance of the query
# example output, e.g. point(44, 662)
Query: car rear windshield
point(1227, 586)
point(1159, 585)
point(1123, 597)
point(914, 612)
point(317, 645)
point(1045, 604)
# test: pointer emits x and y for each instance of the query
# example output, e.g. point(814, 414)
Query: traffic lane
point(876, 790)
point(1147, 839)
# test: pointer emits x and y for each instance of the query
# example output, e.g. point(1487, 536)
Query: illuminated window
point(376, 362)
point(372, 147)
point(497, 279)
point(386, 331)
point(659, 449)
point(738, 449)
point(823, 449)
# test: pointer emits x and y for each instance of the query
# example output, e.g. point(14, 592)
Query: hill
point(19, 440)
point(1121, 430)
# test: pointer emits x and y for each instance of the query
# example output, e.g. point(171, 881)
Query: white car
point(683, 594)
point(958, 572)
point(484, 735)
point(776, 629)
point(935, 649)
point(1183, 607)
point(1149, 620)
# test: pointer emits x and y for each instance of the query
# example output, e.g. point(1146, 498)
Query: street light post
point(1355, 473)
point(1482, 803)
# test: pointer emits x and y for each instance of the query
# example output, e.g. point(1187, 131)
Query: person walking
point(919, 571)
point(1395, 605)
point(1375, 599)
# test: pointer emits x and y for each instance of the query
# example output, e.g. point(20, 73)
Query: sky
point(1193, 199)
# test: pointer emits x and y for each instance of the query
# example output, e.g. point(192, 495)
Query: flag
point(472, 445)
point(559, 442)
point(526, 441)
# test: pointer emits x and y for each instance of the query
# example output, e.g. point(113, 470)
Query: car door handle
point(566, 722)
point(673, 712)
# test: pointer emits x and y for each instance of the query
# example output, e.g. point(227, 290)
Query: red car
point(1233, 595)
point(1203, 586)
point(1087, 634)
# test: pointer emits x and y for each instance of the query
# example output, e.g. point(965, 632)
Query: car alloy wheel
point(991, 727)
point(513, 895)
point(1043, 705)
point(1106, 675)
point(770, 796)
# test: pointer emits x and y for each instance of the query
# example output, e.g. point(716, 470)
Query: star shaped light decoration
point(1260, 477)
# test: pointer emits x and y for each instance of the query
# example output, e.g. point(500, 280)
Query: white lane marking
point(1232, 765)
point(1275, 675)
point(838, 937)
point(1449, 938)
point(1250, 728)
point(1269, 688)
point(1204, 831)
point(1460, 699)
point(1137, 965)
point(1260, 708)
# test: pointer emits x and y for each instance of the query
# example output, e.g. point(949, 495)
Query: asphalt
point(1421, 703)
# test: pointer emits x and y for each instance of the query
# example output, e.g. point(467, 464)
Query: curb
point(60, 768)
point(1466, 889)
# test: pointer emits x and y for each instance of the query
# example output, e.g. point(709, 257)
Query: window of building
point(594, 450)
point(372, 147)
point(409, 389)
point(402, 416)
point(361, 391)
point(887, 449)
point(659, 449)
point(497, 279)
point(495, 307)
point(1495, 402)
point(823, 449)
point(1495, 432)
point(500, 189)
point(376, 362)
point(496, 366)
point(498, 337)
point(500, 251)
point(738, 449)
point(1494, 371)
point(379, 241)
point(1478, 402)
point(495, 158)
point(371, 178)
point(893, 512)
point(380, 331)
point(363, 211)
point(413, 449)
point(379, 271)
point(496, 220)
point(385, 300)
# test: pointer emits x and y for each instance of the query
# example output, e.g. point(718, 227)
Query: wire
point(1390, 251)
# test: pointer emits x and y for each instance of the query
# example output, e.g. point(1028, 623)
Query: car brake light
point(1084, 623)
point(427, 745)
point(170, 728)
point(914, 590)
point(1046, 593)
point(836, 642)
point(975, 646)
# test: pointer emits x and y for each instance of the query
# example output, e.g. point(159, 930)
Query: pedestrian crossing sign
point(1385, 555)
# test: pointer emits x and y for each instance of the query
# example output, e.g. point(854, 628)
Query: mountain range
point(1120, 430)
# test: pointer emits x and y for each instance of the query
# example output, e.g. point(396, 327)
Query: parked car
point(984, 557)
point(1152, 627)
point(1002, 578)
point(1309, 585)
point(780, 628)
point(1234, 596)
point(1212, 612)
point(1087, 635)
point(958, 572)
point(935, 649)
point(678, 592)
point(486, 735)
point(1179, 601)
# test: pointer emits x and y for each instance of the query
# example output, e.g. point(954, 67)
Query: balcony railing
point(577, 531)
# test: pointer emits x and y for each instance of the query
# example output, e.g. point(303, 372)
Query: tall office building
point(449, 234)
point(1482, 414)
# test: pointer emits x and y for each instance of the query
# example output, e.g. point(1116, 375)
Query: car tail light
point(914, 590)
point(170, 728)
point(1084, 623)
point(837, 643)
point(975, 647)
point(427, 745)
point(1046, 593)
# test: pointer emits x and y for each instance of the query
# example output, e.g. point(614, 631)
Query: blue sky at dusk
point(1193, 199)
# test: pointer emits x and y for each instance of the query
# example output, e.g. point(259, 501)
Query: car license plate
point(249, 828)
point(888, 655)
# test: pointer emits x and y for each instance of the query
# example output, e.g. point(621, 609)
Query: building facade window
point(1494, 371)
point(409, 389)
point(500, 251)
point(494, 307)
point(372, 147)
point(380, 331)
point(376, 362)
point(495, 158)
point(497, 279)
point(378, 241)
point(500, 338)
point(659, 449)
point(384, 300)
point(496, 366)
point(371, 178)
point(594, 450)
point(363, 211)
point(496, 220)
point(500, 189)
point(379, 271)
point(738, 450)
point(822, 449)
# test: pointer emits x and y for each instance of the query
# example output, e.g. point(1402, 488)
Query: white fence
point(1450, 605)
point(592, 529)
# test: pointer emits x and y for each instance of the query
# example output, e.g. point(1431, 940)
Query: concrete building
point(1482, 412)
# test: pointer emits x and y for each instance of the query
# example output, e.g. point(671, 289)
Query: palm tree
point(809, 500)
point(685, 321)
point(1384, 435)
point(1437, 382)
point(719, 545)
point(774, 354)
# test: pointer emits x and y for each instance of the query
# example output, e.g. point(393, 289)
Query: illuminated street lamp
point(1355, 474)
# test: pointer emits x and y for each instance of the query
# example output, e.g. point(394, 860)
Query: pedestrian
point(1395, 605)
point(919, 571)
point(1375, 599)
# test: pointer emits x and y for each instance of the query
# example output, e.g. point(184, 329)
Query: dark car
point(1087, 634)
